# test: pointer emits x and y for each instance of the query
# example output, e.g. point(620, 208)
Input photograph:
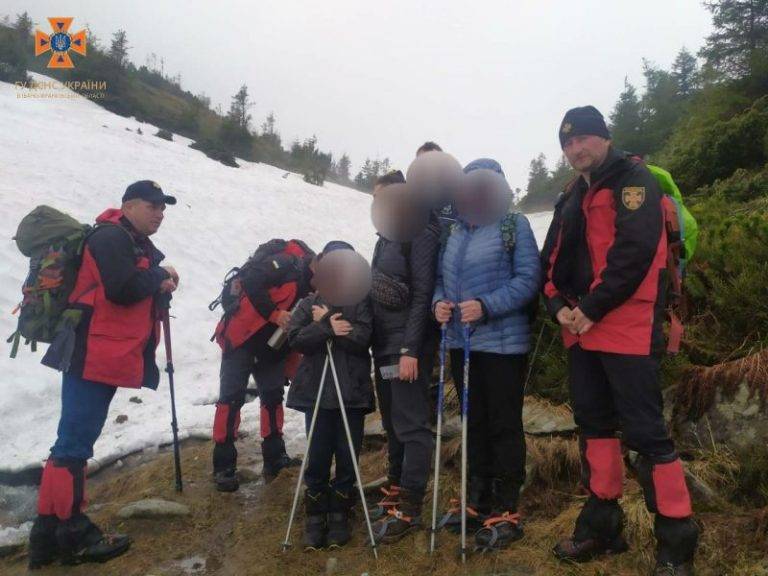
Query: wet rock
point(153, 508)
point(121, 419)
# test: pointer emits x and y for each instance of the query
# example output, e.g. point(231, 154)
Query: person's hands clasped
point(340, 326)
point(319, 312)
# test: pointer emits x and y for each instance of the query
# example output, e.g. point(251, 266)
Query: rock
point(153, 508)
point(331, 566)
point(539, 418)
point(542, 418)
point(375, 428)
point(736, 421)
point(136, 400)
point(13, 540)
point(121, 419)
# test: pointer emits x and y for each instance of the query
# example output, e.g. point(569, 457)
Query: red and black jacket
point(605, 252)
point(120, 326)
point(269, 287)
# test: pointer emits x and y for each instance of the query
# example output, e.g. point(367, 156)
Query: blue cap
point(336, 245)
point(483, 164)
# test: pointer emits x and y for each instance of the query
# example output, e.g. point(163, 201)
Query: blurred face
point(586, 153)
point(145, 216)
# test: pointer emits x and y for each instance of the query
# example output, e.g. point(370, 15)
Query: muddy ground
point(241, 534)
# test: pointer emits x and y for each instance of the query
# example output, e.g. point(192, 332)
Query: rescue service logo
point(633, 197)
point(60, 43)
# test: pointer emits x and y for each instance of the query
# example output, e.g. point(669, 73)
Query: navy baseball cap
point(149, 191)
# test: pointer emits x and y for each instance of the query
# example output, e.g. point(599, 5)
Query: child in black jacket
point(313, 324)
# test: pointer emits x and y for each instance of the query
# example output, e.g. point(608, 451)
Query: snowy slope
point(76, 156)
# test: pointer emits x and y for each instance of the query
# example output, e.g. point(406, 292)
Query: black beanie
point(584, 121)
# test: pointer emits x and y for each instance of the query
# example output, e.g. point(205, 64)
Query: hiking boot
point(339, 532)
point(676, 542)
point(400, 519)
point(390, 497)
point(503, 526)
point(43, 548)
point(275, 457)
point(273, 467)
point(598, 532)
point(226, 480)
point(80, 541)
point(315, 523)
point(573, 550)
point(478, 507)
point(225, 466)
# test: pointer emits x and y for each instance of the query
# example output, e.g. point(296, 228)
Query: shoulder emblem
point(633, 197)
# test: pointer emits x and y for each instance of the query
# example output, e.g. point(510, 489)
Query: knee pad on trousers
point(226, 422)
point(602, 467)
point(676, 539)
point(272, 419)
point(62, 488)
point(663, 483)
point(600, 520)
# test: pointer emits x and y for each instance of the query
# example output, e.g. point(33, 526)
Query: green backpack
point(53, 242)
point(689, 228)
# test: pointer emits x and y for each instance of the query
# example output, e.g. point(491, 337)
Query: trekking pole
point(352, 451)
point(287, 542)
point(166, 303)
point(464, 418)
point(438, 444)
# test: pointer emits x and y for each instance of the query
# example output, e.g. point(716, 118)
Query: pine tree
point(626, 121)
point(538, 176)
point(741, 32)
point(343, 166)
point(661, 107)
point(238, 109)
point(24, 26)
point(685, 71)
point(268, 126)
point(118, 49)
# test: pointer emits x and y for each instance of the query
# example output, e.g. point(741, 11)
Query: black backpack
point(232, 288)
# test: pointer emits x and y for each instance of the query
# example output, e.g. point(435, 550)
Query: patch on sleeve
point(633, 197)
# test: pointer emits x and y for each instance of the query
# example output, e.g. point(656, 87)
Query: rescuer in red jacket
point(267, 287)
point(605, 283)
point(117, 286)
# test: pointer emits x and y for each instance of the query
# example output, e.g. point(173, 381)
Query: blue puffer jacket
point(475, 264)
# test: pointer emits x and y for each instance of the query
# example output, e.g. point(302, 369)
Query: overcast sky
point(481, 78)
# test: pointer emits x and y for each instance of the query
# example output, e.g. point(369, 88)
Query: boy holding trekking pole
point(316, 328)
